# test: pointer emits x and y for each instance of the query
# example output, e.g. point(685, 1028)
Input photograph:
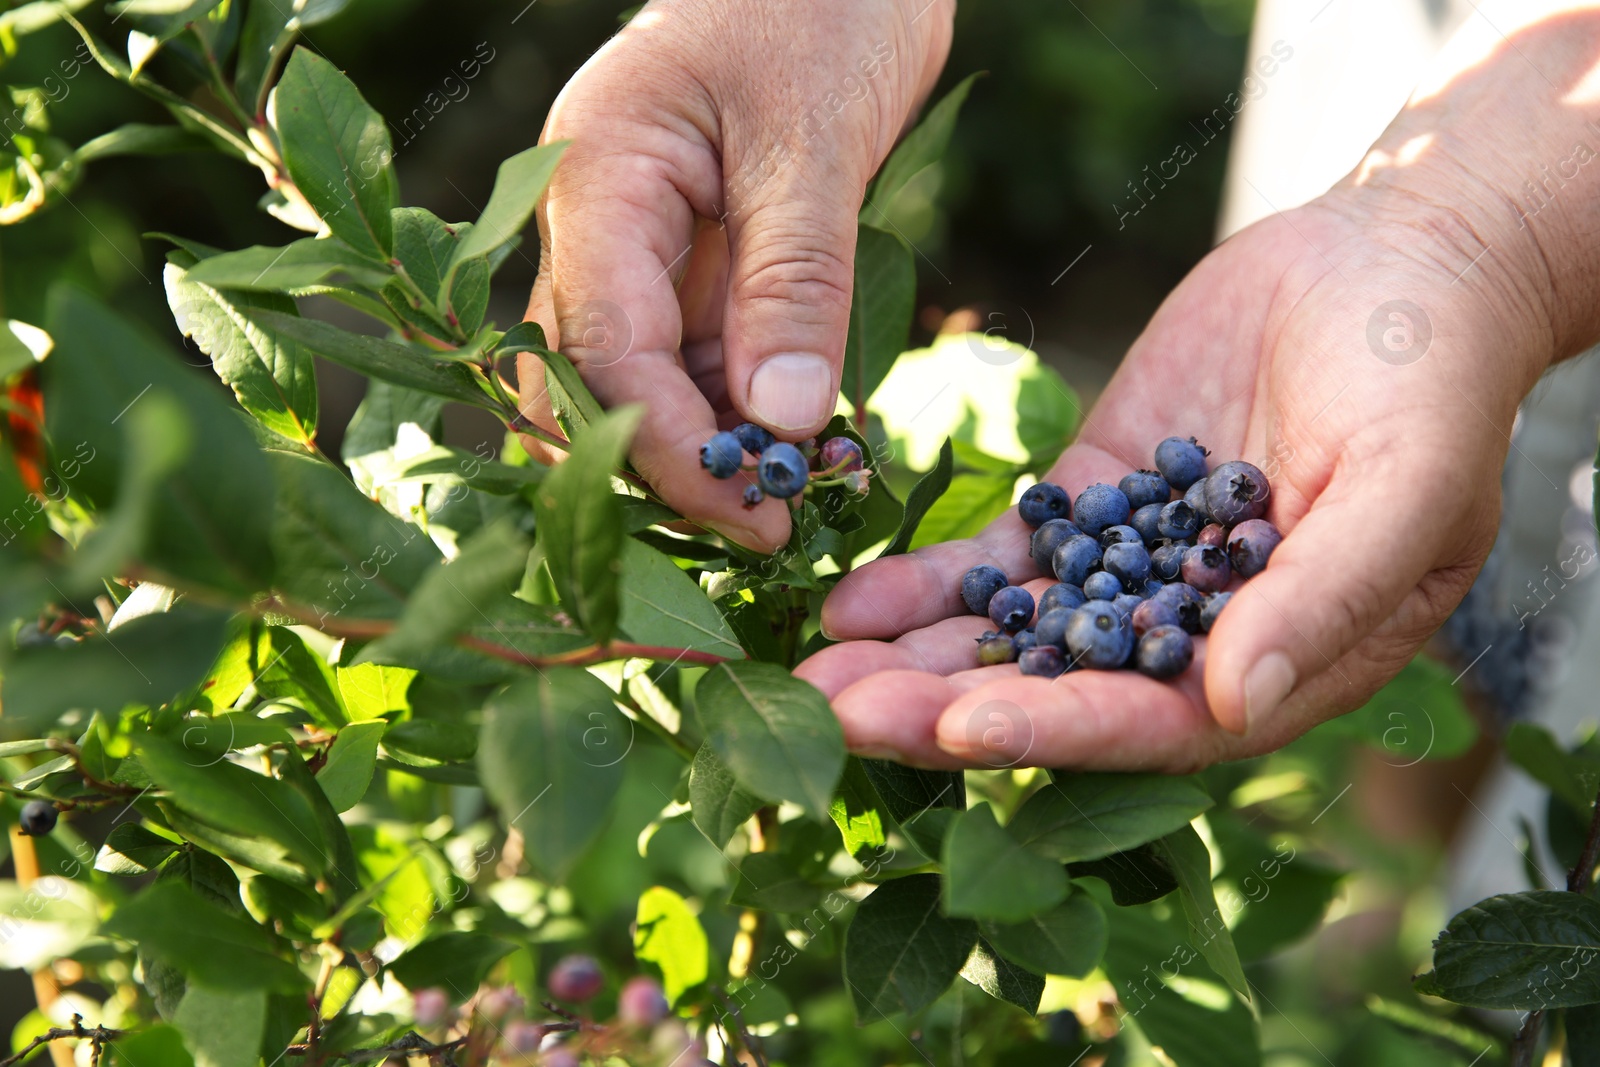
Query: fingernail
point(792, 391)
point(1265, 687)
point(880, 752)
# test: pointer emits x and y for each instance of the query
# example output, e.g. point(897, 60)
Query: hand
point(698, 238)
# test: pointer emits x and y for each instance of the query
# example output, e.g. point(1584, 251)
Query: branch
point(411, 1043)
point(99, 1035)
point(1580, 876)
point(1527, 1040)
point(751, 1043)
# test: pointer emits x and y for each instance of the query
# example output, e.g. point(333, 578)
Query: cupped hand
point(1359, 363)
point(698, 237)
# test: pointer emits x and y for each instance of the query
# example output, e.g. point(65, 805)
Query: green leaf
point(1002, 979)
point(900, 952)
point(257, 853)
point(990, 875)
point(351, 758)
point(1419, 715)
point(442, 463)
point(132, 850)
point(371, 691)
point(1583, 1036)
point(1069, 939)
point(430, 742)
point(33, 17)
point(301, 264)
point(1134, 876)
point(855, 811)
point(971, 502)
point(667, 935)
point(223, 1028)
point(337, 150)
point(909, 791)
point(580, 522)
point(923, 496)
point(661, 605)
point(284, 668)
point(216, 948)
point(550, 756)
point(456, 961)
point(140, 139)
point(776, 733)
point(148, 661)
point(1274, 894)
point(1086, 816)
point(1190, 862)
point(922, 147)
point(517, 187)
point(574, 405)
point(424, 244)
point(771, 881)
point(46, 921)
point(717, 804)
point(1520, 951)
point(1572, 776)
point(880, 312)
point(268, 28)
point(469, 294)
point(377, 421)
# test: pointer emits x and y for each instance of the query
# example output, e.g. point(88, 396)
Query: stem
point(1579, 878)
point(1527, 1040)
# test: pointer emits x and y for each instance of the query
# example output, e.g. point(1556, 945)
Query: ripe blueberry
point(1178, 521)
point(979, 584)
point(1213, 534)
point(1101, 585)
point(1205, 567)
point(722, 455)
point(1100, 506)
point(1195, 497)
point(1151, 588)
point(752, 438)
point(753, 495)
point(38, 818)
point(1099, 636)
point(1235, 492)
point(1075, 559)
point(1146, 520)
point(1120, 535)
point(996, 650)
point(1011, 608)
point(1250, 545)
point(1060, 595)
point(1181, 462)
point(782, 470)
point(641, 1002)
point(1152, 613)
point(1166, 559)
point(1047, 538)
point(576, 978)
point(1144, 487)
point(1042, 502)
point(1125, 603)
point(1051, 629)
point(1186, 601)
point(1212, 608)
point(1165, 652)
point(1129, 564)
point(1043, 661)
point(1024, 640)
point(841, 455)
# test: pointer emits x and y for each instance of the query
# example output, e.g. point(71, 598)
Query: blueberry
point(1099, 636)
point(1144, 487)
point(1186, 600)
point(1165, 560)
point(1125, 603)
point(1145, 521)
point(1043, 661)
point(1195, 497)
point(782, 470)
point(1151, 588)
point(1075, 559)
point(753, 495)
point(1250, 545)
point(723, 455)
point(1060, 595)
point(1047, 538)
point(752, 438)
point(641, 1004)
point(1042, 502)
point(1165, 652)
point(1100, 506)
point(979, 584)
point(1152, 613)
point(1120, 535)
point(1178, 521)
point(38, 818)
point(1212, 608)
point(1101, 585)
point(841, 455)
point(1129, 564)
point(1235, 492)
point(1011, 608)
point(1181, 462)
point(1051, 629)
point(576, 978)
point(1205, 567)
point(1024, 640)
point(996, 650)
point(1213, 534)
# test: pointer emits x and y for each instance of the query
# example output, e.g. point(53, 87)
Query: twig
point(1580, 876)
point(98, 1035)
point(411, 1043)
point(751, 1043)
point(1527, 1040)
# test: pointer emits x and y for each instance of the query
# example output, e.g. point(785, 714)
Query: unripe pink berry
point(430, 1008)
point(576, 978)
point(523, 1036)
point(641, 1002)
point(841, 452)
point(499, 1002)
point(559, 1057)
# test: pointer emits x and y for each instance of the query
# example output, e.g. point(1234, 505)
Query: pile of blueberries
point(1141, 566)
point(781, 469)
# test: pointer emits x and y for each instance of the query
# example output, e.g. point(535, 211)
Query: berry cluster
point(1140, 567)
point(781, 469)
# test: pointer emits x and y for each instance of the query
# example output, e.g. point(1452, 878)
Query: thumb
point(792, 265)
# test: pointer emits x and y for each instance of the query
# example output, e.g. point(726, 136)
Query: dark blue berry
point(1120, 535)
point(722, 455)
point(996, 650)
point(841, 455)
point(1145, 520)
point(1129, 564)
point(1195, 497)
point(38, 818)
point(1182, 462)
point(979, 584)
point(1205, 567)
point(1100, 506)
point(782, 470)
point(1042, 502)
point(1212, 608)
point(1060, 595)
point(1212, 534)
point(1099, 636)
point(753, 495)
point(1075, 559)
point(752, 438)
point(1150, 588)
point(1043, 661)
point(1236, 491)
point(1144, 487)
point(1125, 603)
point(1165, 652)
point(1178, 521)
point(1024, 640)
point(1152, 613)
point(1011, 608)
point(1051, 629)
point(1250, 545)
point(1165, 560)
point(1101, 586)
point(1047, 538)
point(1186, 600)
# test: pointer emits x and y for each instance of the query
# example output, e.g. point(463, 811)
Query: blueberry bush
point(424, 753)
